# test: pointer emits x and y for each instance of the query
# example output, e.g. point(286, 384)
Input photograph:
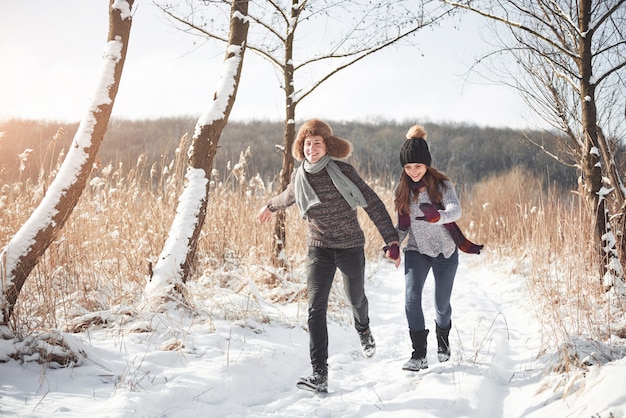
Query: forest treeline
point(468, 153)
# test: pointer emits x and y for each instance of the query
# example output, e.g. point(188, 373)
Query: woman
point(427, 208)
point(327, 193)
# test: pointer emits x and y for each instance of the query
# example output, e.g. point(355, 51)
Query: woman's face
point(415, 171)
point(314, 148)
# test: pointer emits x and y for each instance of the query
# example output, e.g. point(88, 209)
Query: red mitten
point(394, 251)
point(431, 214)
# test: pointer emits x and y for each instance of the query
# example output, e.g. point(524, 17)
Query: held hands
point(393, 251)
point(431, 214)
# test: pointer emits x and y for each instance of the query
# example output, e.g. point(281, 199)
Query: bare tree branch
point(323, 37)
point(511, 23)
point(572, 54)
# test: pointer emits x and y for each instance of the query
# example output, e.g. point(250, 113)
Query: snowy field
point(177, 365)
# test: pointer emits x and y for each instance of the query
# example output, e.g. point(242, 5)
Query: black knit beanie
point(415, 150)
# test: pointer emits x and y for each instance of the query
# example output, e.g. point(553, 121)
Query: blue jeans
point(416, 268)
point(322, 263)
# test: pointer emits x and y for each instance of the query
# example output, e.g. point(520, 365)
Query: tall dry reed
point(549, 233)
point(100, 260)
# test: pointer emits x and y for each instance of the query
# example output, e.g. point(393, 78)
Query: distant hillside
point(467, 153)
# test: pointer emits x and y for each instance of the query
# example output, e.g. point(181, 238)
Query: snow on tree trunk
point(22, 253)
point(179, 252)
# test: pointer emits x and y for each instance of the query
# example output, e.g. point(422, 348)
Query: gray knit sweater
point(428, 238)
point(332, 223)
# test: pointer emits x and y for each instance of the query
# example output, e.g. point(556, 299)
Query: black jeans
point(322, 264)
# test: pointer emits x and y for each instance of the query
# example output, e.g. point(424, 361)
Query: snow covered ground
point(178, 365)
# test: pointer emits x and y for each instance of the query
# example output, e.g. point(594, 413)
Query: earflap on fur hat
point(415, 148)
point(335, 147)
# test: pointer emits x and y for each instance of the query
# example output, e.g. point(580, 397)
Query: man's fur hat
point(335, 147)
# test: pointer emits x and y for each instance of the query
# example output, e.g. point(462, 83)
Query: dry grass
point(100, 261)
point(549, 233)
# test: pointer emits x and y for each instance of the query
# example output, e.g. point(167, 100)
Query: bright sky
point(51, 54)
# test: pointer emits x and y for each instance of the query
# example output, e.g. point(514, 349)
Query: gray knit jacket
point(428, 238)
point(332, 223)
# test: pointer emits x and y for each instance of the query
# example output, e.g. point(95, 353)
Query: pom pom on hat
point(335, 147)
point(415, 148)
point(416, 131)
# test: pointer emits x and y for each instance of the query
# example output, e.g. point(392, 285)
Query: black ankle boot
point(418, 360)
point(443, 345)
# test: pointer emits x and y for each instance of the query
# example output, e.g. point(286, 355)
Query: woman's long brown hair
point(434, 180)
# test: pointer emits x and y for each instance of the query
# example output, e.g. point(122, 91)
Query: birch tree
point(22, 253)
point(314, 39)
point(572, 57)
point(178, 255)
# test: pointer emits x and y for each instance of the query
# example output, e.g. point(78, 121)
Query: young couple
point(327, 192)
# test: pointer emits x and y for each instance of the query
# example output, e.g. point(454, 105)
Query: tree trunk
point(178, 257)
point(592, 170)
point(278, 257)
point(24, 250)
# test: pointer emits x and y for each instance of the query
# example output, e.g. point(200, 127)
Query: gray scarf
point(306, 197)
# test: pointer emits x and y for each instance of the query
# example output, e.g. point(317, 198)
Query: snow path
point(244, 368)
